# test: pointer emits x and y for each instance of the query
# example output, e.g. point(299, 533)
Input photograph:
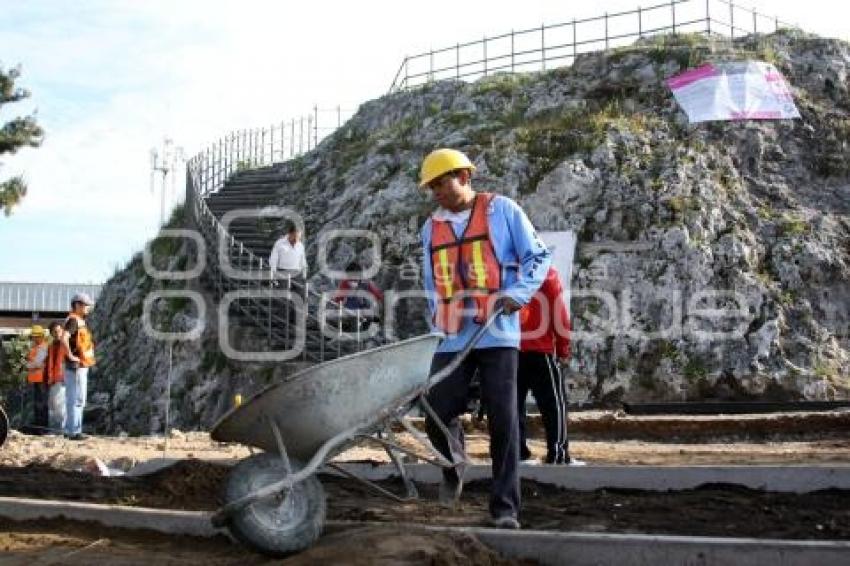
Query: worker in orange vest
point(35, 377)
point(359, 296)
point(54, 374)
point(480, 251)
point(80, 344)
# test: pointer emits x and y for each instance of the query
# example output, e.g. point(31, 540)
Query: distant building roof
point(42, 297)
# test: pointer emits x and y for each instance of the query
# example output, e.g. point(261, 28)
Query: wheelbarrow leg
point(412, 492)
point(367, 483)
point(438, 460)
point(454, 445)
point(281, 448)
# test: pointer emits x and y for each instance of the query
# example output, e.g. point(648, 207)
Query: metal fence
point(557, 45)
point(277, 142)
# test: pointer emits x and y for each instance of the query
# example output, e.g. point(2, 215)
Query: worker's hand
point(564, 361)
point(508, 305)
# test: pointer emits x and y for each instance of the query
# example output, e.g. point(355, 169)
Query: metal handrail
point(459, 68)
point(208, 172)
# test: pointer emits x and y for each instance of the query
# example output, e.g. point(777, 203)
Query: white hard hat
point(84, 298)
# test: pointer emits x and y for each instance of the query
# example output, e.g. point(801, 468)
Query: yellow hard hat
point(37, 331)
point(441, 161)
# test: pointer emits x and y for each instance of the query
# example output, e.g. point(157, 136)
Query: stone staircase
point(252, 189)
point(249, 241)
point(241, 171)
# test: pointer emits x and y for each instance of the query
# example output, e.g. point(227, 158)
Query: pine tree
point(22, 131)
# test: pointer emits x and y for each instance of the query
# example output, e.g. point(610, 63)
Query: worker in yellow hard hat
point(480, 251)
point(35, 377)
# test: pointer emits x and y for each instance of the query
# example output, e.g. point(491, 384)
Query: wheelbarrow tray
point(314, 405)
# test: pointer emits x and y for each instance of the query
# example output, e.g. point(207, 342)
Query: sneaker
point(450, 491)
point(576, 462)
point(77, 436)
point(505, 522)
point(530, 462)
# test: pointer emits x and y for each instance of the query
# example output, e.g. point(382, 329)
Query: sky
point(111, 79)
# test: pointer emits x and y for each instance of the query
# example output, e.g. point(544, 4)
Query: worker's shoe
point(449, 492)
point(505, 522)
point(77, 436)
point(568, 461)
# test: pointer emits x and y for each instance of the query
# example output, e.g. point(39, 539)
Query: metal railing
point(280, 141)
point(206, 174)
point(557, 45)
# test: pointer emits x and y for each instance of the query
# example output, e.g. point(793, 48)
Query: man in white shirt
point(287, 258)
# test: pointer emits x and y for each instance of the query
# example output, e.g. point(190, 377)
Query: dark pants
point(39, 405)
point(539, 373)
point(497, 371)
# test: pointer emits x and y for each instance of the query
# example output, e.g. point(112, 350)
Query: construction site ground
point(597, 437)
point(55, 468)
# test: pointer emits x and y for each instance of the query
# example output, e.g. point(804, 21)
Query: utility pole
point(165, 161)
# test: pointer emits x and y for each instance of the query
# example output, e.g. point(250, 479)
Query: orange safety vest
point(35, 375)
point(55, 365)
point(82, 344)
point(464, 267)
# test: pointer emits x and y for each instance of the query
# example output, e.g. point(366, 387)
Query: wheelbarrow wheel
point(277, 525)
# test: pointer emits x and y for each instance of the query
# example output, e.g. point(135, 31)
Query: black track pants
point(539, 373)
point(39, 398)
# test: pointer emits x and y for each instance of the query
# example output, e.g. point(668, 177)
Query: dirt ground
point(717, 510)
point(49, 467)
point(74, 544)
point(65, 542)
point(120, 453)
point(786, 438)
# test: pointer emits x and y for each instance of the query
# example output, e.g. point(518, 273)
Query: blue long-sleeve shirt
point(525, 261)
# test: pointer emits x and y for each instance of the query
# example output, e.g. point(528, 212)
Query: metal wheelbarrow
point(273, 500)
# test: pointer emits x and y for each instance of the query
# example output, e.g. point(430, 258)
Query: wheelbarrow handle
point(462, 354)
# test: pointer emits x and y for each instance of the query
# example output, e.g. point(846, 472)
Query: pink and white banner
point(748, 90)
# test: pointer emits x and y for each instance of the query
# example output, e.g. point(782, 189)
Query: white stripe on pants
point(558, 390)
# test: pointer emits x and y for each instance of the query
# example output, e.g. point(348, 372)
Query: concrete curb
point(580, 549)
point(667, 428)
point(791, 479)
point(191, 523)
point(787, 479)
